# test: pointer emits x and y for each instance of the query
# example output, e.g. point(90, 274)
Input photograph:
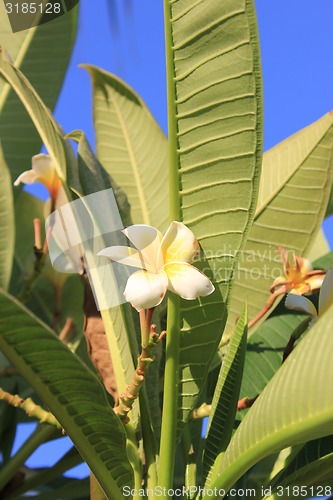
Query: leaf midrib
point(134, 165)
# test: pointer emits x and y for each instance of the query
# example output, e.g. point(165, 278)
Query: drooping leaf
point(296, 406)
point(224, 404)
point(42, 54)
point(294, 189)
point(7, 224)
point(131, 147)
point(71, 392)
point(215, 135)
point(49, 131)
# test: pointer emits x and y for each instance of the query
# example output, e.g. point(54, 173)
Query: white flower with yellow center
point(44, 171)
point(164, 263)
point(302, 304)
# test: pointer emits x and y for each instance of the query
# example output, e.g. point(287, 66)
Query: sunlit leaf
point(42, 54)
point(215, 133)
point(294, 189)
point(7, 235)
point(131, 147)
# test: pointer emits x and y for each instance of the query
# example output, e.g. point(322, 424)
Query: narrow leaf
point(7, 235)
point(224, 405)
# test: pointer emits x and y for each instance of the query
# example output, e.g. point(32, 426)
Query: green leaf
point(49, 131)
point(296, 406)
point(329, 210)
point(319, 246)
point(215, 134)
point(93, 177)
point(266, 346)
point(7, 236)
point(289, 213)
point(310, 479)
point(59, 378)
point(301, 469)
point(224, 404)
point(131, 147)
point(42, 54)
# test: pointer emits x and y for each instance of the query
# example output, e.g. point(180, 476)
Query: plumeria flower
point(44, 171)
point(299, 279)
point(164, 263)
point(302, 304)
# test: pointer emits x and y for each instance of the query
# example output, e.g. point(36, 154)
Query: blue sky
point(297, 55)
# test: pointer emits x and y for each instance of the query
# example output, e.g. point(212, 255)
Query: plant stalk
point(170, 400)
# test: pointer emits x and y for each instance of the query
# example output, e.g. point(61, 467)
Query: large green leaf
point(295, 185)
point(70, 390)
point(42, 54)
point(224, 404)
point(215, 135)
point(58, 148)
point(296, 406)
point(7, 224)
point(131, 147)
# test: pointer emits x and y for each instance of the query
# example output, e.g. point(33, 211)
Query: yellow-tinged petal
point(315, 281)
point(179, 244)
point(123, 255)
point(303, 265)
point(300, 303)
point(187, 281)
point(145, 290)
point(326, 293)
point(147, 240)
point(27, 177)
point(44, 171)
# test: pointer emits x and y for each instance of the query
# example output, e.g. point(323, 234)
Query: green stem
point(170, 400)
point(38, 437)
point(148, 445)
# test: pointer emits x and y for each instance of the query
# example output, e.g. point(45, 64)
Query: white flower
point(44, 171)
point(164, 264)
point(302, 304)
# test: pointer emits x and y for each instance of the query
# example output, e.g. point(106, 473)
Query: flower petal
point(326, 293)
point(187, 281)
point(27, 177)
point(44, 167)
point(303, 265)
point(179, 244)
point(300, 303)
point(145, 290)
point(123, 255)
point(147, 240)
